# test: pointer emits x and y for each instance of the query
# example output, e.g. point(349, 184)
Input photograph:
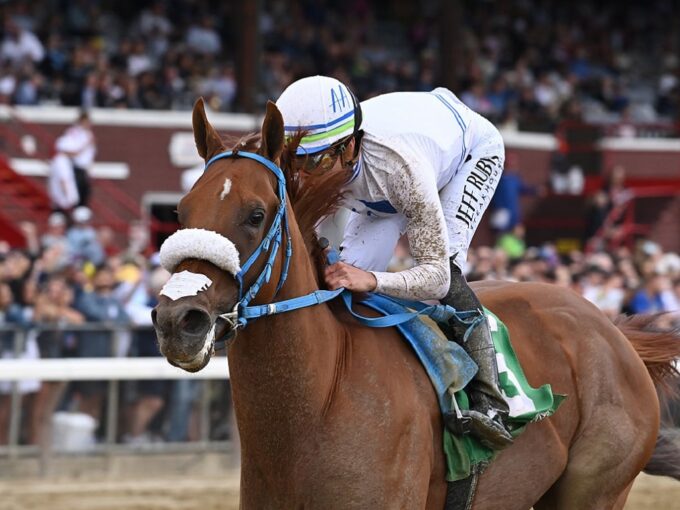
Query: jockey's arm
point(413, 192)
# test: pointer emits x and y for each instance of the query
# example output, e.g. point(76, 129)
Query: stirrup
point(489, 431)
point(460, 425)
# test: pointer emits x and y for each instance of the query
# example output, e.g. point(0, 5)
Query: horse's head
point(225, 216)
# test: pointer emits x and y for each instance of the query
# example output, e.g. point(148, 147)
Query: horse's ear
point(271, 146)
point(208, 142)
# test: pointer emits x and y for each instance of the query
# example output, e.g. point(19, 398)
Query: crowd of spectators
point(157, 55)
point(75, 294)
point(71, 276)
point(520, 63)
point(642, 280)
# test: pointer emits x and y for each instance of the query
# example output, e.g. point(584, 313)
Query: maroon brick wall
point(145, 150)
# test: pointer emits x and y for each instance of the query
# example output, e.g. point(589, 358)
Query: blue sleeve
point(639, 303)
point(89, 307)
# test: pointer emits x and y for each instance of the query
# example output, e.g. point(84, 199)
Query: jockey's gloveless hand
point(352, 278)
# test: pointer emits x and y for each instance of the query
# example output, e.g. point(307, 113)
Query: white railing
point(111, 369)
point(97, 369)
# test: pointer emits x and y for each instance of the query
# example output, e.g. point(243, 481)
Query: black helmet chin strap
point(358, 133)
point(357, 113)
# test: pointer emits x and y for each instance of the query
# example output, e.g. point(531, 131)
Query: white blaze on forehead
point(226, 189)
point(198, 243)
point(185, 284)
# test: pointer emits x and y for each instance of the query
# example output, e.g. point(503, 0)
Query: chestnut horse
point(334, 415)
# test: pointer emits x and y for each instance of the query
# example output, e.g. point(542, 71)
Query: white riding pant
point(369, 241)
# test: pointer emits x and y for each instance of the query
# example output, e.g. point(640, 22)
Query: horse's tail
point(659, 350)
point(665, 460)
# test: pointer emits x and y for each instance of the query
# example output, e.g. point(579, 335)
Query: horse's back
point(556, 331)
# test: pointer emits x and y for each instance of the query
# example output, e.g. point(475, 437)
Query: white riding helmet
point(321, 106)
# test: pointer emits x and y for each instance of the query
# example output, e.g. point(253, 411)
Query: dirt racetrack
point(649, 493)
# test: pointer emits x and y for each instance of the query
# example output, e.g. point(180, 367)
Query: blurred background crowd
point(73, 293)
point(72, 275)
point(524, 64)
point(519, 63)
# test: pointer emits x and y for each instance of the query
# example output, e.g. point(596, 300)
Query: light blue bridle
point(243, 312)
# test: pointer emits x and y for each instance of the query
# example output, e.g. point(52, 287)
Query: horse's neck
point(283, 367)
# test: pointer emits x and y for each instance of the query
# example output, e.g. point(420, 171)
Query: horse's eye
point(256, 218)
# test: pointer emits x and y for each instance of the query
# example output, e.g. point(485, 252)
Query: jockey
point(421, 163)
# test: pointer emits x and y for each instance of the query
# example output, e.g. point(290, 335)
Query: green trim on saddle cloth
point(464, 453)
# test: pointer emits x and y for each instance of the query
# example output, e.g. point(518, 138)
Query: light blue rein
point(243, 312)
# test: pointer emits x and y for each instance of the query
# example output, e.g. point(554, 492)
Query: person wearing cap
point(420, 163)
point(56, 231)
point(84, 245)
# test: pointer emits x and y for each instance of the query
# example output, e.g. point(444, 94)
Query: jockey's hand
point(352, 278)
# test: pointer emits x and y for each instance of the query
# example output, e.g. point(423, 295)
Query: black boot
point(488, 409)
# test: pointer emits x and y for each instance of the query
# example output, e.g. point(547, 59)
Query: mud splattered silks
point(428, 167)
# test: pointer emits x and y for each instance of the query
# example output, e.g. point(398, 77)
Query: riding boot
point(488, 408)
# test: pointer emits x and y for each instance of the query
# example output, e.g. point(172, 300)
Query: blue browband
point(244, 313)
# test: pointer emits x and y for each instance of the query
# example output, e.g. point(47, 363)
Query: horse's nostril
point(154, 315)
point(195, 322)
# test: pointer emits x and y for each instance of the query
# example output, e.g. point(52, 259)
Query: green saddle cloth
point(464, 454)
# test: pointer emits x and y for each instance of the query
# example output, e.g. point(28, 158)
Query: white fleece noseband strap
point(198, 243)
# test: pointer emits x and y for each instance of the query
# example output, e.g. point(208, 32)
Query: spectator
point(99, 306)
point(605, 214)
point(21, 274)
point(8, 83)
point(605, 290)
point(154, 24)
point(56, 231)
point(11, 314)
point(140, 299)
point(477, 100)
point(512, 243)
point(82, 238)
point(61, 180)
point(28, 86)
point(220, 89)
point(20, 45)
point(202, 37)
point(505, 205)
point(653, 296)
point(81, 149)
point(53, 308)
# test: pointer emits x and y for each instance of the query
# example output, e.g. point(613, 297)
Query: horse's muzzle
point(185, 334)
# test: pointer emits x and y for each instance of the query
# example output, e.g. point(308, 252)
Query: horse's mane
point(249, 142)
point(313, 196)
